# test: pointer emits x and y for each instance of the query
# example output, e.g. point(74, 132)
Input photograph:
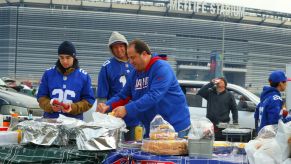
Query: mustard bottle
point(138, 133)
point(19, 135)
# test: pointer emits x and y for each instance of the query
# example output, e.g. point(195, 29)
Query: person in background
point(65, 88)
point(113, 76)
point(271, 103)
point(153, 89)
point(219, 102)
point(242, 104)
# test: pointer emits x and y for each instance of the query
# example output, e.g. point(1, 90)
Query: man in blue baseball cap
point(270, 106)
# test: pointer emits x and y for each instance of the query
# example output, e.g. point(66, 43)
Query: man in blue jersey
point(269, 109)
point(114, 74)
point(65, 88)
point(154, 89)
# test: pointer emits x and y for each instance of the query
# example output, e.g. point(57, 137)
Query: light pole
point(222, 46)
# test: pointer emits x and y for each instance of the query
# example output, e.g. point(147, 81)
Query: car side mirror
point(251, 106)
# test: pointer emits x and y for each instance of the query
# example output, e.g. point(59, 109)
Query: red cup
point(6, 124)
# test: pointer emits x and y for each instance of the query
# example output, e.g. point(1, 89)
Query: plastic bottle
point(30, 115)
point(14, 119)
point(19, 135)
point(138, 132)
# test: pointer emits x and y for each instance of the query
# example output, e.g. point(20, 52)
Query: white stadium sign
point(206, 7)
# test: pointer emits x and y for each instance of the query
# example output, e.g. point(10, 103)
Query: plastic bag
point(201, 129)
point(268, 131)
point(287, 161)
point(161, 129)
point(283, 138)
point(272, 144)
point(107, 121)
point(268, 153)
point(253, 145)
point(265, 136)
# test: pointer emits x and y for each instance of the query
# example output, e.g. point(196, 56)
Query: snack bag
point(161, 129)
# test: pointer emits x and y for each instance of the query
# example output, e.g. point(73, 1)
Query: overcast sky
point(273, 5)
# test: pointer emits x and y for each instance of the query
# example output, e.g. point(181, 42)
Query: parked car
point(21, 103)
point(246, 101)
point(23, 87)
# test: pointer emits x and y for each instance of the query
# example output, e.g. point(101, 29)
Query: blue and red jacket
point(154, 91)
point(269, 108)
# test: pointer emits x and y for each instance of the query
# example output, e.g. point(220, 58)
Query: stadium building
point(251, 42)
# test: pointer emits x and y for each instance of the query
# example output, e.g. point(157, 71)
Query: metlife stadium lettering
point(205, 7)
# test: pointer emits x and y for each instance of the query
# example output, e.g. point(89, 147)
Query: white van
point(197, 104)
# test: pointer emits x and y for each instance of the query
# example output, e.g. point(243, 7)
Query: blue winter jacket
point(155, 91)
point(268, 110)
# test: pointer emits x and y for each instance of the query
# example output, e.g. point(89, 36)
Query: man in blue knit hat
point(65, 88)
point(270, 106)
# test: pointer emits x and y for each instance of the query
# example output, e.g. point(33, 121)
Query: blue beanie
point(67, 48)
point(277, 76)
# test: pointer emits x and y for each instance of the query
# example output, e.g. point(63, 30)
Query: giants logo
point(141, 83)
point(277, 97)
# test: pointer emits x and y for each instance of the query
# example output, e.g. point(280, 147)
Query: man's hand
point(120, 112)
point(102, 108)
point(216, 80)
point(66, 108)
point(56, 108)
point(56, 105)
point(284, 113)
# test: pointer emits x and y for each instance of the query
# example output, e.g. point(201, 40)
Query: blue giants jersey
point(68, 89)
point(112, 77)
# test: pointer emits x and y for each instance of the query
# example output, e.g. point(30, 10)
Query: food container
point(130, 145)
point(200, 148)
point(165, 147)
point(8, 138)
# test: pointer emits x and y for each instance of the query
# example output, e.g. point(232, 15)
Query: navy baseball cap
point(277, 76)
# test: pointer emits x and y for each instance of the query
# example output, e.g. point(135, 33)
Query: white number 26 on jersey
point(62, 96)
